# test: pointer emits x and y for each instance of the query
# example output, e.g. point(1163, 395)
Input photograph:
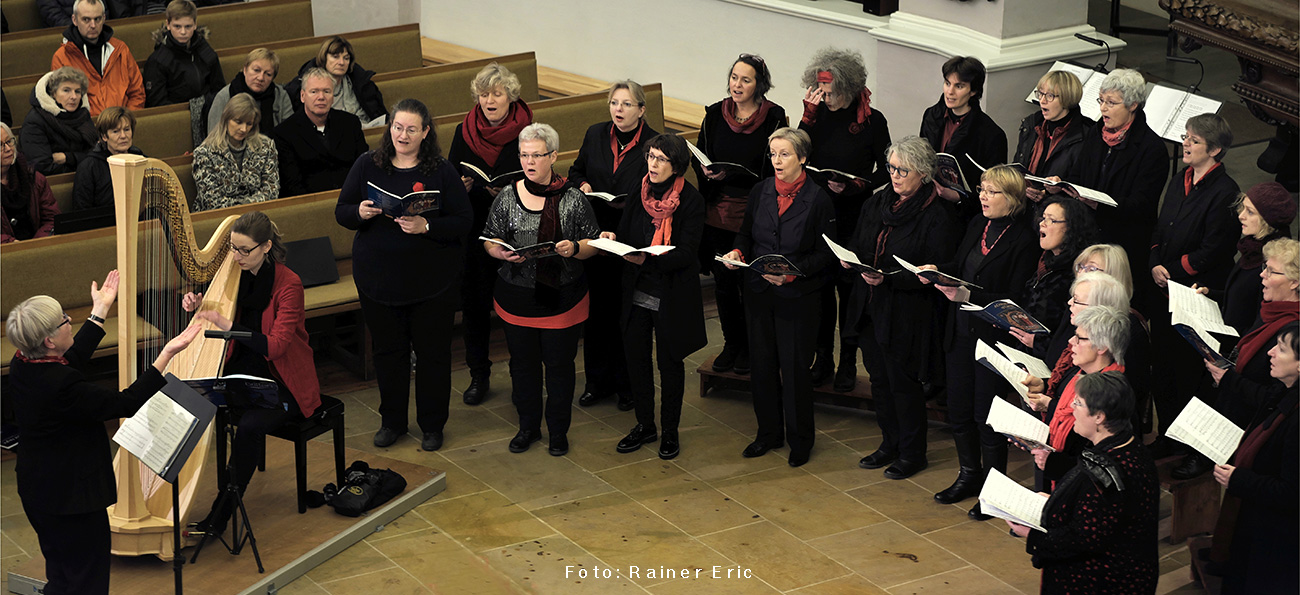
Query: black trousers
point(476, 307)
point(1170, 351)
point(727, 292)
point(672, 372)
point(971, 390)
point(251, 429)
point(782, 333)
point(531, 349)
point(76, 550)
point(843, 285)
point(395, 331)
point(898, 398)
point(603, 359)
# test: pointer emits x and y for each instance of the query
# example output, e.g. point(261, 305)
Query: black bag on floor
point(364, 489)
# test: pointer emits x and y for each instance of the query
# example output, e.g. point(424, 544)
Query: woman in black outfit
point(895, 317)
point(662, 293)
point(408, 308)
point(488, 140)
point(1050, 138)
point(610, 160)
point(957, 126)
point(58, 131)
point(1256, 534)
point(997, 254)
point(183, 65)
point(849, 136)
point(354, 91)
point(64, 473)
point(786, 215)
point(93, 184)
point(734, 130)
point(1065, 229)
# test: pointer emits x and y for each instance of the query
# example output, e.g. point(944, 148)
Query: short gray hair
point(541, 132)
point(799, 139)
point(916, 154)
point(67, 74)
point(31, 322)
point(78, 3)
point(316, 72)
point(1128, 82)
point(492, 76)
point(1103, 290)
point(1215, 131)
point(848, 72)
point(1107, 329)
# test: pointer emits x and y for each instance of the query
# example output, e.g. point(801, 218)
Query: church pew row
point(22, 15)
point(28, 52)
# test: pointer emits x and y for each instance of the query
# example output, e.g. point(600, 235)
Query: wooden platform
point(290, 544)
point(858, 398)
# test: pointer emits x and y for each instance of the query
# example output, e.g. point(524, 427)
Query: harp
point(159, 259)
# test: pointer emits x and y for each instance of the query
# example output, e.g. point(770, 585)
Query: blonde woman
point(236, 164)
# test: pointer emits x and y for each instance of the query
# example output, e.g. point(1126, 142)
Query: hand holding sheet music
point(1015, 422)
point(998, 363)
point(1004, 498)
point(1035, 367)
point(936, 277)
point(1197, 310)
point(622, 249)
point(850, 257)
point(1206, 430)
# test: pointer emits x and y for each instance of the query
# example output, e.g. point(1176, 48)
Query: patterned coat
point(222, 181)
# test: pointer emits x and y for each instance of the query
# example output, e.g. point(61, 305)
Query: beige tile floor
point(530, 523)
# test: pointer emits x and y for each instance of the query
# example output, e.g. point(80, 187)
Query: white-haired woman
point(58, 131)
point(65, 480)
point(488, 140)
point(542, 301)
point(236, 164)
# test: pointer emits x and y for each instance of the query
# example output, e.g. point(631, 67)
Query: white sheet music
point(1185, 302)
point(1208, 431)
point(1008, 370)
point(156, 432)
point(1009, 419)
point(1036, 367)
point(1168, 110)
point(1004, 498)
point(699, 155)
point(841, 252)
point(1091, 81)
point(907, 265)
point(622, 249)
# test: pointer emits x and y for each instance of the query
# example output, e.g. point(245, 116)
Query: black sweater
point(1067, 150)
point(1197, 232)
point(978, 135)
point(720, 143)
point(1001, 274)
point(93, 184)
point(839, 143)
point(595, 166)
point(479, 197)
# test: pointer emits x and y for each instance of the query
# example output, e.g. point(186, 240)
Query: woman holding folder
point(1102, 520)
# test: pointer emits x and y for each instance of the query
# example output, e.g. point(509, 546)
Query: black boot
point(823, 367)
point(970, 477)
point(847, 374)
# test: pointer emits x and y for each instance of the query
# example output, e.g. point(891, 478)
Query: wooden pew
point(61, 185)
point(381, 50)
point(28, 52)
point(22, 15)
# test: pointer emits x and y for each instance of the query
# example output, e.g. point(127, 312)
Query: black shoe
point(742, 363)
point(976, 515)
point(726, 360)
point(590, 398)
point(640, 434)
point(758, 448)
point(1165, 447)
point(625, 401)
point(432, 441)
point(669, 448)
point(904, 468)
point(523, 440)
point(877, 459)
point(478, 389)
point(215, 523)
point(385, 437)
point(846, 377)
point(969, 481)
point(559, 445)
point(1193, 465)
point(798, 458)
point(822, 369)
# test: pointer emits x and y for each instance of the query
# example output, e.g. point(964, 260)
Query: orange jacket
point(121, 83)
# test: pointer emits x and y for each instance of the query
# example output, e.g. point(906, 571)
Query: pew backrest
point(381, 50)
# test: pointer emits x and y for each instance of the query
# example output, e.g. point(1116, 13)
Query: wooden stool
point(1196, 501)
point(329, 416)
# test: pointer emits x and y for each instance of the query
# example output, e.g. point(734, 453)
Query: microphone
point(1097, 42)
point(1183, 60)
point(227, 335)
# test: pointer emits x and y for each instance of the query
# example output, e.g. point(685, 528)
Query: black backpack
point(364, 489)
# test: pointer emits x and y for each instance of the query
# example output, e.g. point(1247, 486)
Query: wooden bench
point(1196, 501)
point(29, 52)
point(382, 50)
point(22, 15)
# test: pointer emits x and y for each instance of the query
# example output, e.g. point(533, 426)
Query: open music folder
point(165, 430)
point(1019, 424)
point(1004, 498)
point(1168, 110)
point(1206, 430)
point(1091, 81)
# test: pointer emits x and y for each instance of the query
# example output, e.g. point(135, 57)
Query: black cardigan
point(65, 465)
point(1196, 234)
point(837, 143)
point(1067, 151)
point(978, 135)
point(1002, 273)
point(314, 162)
point(675, 273)
point(720, 143)
point(595, 166)
point(797, 235)
point(177, 73)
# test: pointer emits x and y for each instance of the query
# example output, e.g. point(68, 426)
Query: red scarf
point(750, 125)
point(661, 209)
point(1275, 315)
point(53, 359)
point(1115, 137)
point(485, 140)
point(1046, 144)
point(1063, 416)
point(785, 192)
point(1188, 174)
point(613, 143)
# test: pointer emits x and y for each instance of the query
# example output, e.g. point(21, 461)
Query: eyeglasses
point(990, 191)
point(653, 158)
point(1040, 96)
point(67, 320)
point(535, 156)
point(1075, 302)
point(1270, 272)
point(1050, 221)
point(1109, 104)
point(1080, 340)
point(897, 171)
point(410, 130)
point(1194, 140)
point(9, 144)
point(1089, 268)
point(623, 104)
point(1078, 403)
point(783, 155)
point(243, 251)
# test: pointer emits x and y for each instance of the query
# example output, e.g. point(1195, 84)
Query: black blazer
point(1002, 273)
point(314, 162)
point(64, 462)
point(1067, 151)
point(978, 136)
point(595, 166)
point(676, 273)
point(797, 235)
point(1196, 235)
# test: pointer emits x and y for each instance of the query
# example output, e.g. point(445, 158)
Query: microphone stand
point(1191, 90)
point(1097, 42)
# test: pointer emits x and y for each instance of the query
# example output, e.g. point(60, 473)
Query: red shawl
point(1275, 315)
point(486, 141)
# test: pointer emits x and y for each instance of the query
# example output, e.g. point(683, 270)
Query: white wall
point(687, 45)
point(345, 16)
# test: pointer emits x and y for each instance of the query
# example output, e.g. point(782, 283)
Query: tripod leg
point(221, 502)
point(248, 528)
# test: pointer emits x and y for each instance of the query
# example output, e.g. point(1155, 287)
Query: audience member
point(89, 46)
point(183, 65)
point(28, 208)
point(317, 145)
point(257, 79)
point(236, 164)
point(59, 130)
point(93, 186)
point(354, 91)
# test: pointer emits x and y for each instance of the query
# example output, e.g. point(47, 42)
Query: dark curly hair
point(430, 152)
point(1080, 228)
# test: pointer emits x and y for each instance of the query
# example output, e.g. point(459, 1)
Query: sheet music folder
point(203, 412)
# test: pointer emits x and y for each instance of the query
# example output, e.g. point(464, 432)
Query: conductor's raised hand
point(102, 297)
point(367, 210)
point(414, 224)
point(191, 301)
point(175, 346)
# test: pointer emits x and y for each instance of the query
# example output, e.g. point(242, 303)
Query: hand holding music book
point(826, 174)
point(936, 277)
point(541, 250)
point(850, 257)
point(767, 264)
point(1206, 430)
point(1020, 425)
point(719, 166)
point(622, 249)
point(415, 203)
point(488, 180)
point(1004, 498)
point(947, 171)
point(1079, 191)
point(1006, 315)
point(1033, 365)
point(1195, 316)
